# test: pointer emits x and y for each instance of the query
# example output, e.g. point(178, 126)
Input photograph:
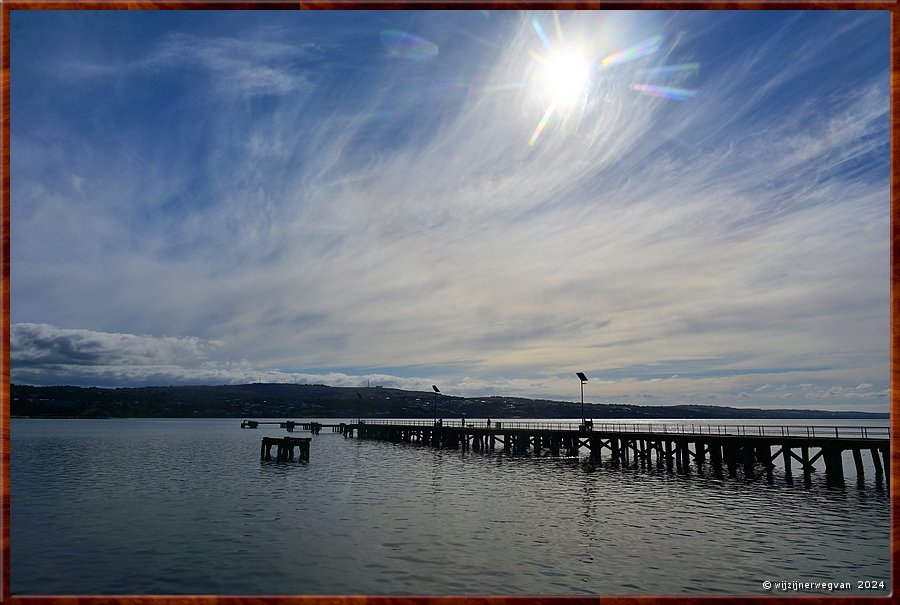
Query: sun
point(564, 76)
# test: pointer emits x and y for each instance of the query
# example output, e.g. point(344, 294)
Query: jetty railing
point(744, 430)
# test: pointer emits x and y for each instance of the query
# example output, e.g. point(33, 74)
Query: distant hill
point(320, 401)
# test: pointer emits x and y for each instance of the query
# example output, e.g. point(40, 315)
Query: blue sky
point(486, 201)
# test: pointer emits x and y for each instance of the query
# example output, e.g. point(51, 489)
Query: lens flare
point(667, 70)
point(407, 46)
point(641, 49)
point(541, 125)
point(677, 94)
point(540, 32)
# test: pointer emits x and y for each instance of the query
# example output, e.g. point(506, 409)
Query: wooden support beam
point(731, 459)
point(765, 451)
point(857, 458)
point(715, 454)
point(817, 456)
point(700, 454)
point(595, 447)
point(749, 459)
point(834, 465)
point(876, 460)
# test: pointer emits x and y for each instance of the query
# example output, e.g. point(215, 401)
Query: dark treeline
point(319, 401)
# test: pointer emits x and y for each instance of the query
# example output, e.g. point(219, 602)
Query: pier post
point(765, 453)
point(857, 458)
point(669, 460)
point(700, 447)
point(876, 460)
point(749, 458)
point(595, 448)
point(808, 468)
point(730, 452)
point(715, 455)
point(786, 455)
point(521, 444)
point(679, 456)
point(834, 466)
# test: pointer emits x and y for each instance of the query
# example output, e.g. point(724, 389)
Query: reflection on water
point(186, 506)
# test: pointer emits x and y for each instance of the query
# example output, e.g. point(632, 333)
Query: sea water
point(186, 506)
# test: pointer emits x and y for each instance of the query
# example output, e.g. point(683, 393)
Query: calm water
point(185, 506)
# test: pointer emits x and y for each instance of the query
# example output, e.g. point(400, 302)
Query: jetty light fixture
point(436, 391)
point(583, 379)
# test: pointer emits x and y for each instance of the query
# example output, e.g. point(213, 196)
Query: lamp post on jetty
point(583, 379)
point(436, 391)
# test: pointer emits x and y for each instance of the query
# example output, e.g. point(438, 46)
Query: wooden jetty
point(285, 448)
point(673, 447)
point(313, 427)
point(285, 445)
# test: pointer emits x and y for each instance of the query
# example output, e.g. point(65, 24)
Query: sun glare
point(564, 76)
point(563, 71)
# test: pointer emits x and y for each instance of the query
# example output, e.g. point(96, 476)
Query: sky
point(688, 207)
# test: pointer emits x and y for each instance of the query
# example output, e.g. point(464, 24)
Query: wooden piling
point(594, 447)
point(808, 468)
point(876, 460)
point(715, 455)
point(749, 456)
point(834, 468)
point(857, 458)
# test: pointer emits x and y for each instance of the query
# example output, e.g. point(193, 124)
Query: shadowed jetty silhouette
point(677, 448)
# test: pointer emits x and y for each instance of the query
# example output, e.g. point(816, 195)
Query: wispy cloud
point(237, 67)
